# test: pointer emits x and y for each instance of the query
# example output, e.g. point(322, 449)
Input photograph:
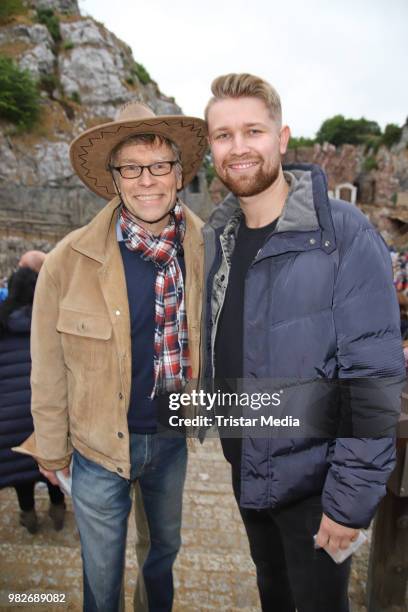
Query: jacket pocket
point(85, 339)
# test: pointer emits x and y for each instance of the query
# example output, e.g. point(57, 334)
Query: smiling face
point(246, 144)
point(148, 198)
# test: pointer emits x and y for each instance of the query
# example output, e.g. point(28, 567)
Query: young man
point(115, 330)
point(299, 291)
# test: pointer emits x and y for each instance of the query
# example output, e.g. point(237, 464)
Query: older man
point(300, 296)
point(115, 330)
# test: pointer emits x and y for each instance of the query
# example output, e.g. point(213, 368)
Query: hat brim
point(90, 152)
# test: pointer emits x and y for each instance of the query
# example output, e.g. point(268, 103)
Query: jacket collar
point(307, 208)
point(94, 240)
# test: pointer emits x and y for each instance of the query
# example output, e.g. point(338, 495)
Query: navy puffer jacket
point(16, 423)
point(319, 305)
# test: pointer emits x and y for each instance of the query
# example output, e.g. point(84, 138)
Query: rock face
point(85, 77)
point(379, 177)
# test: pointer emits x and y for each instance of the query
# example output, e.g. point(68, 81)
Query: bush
point(9, 8)
point(370, 163)
point(338, 130)
point(392, 134)
point(19, 95)
point(295, 143)
point(141, 73)
point(75, 97)
point(49, 83)
point(51, 21)
point(68, 45)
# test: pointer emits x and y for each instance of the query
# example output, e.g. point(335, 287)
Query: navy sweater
point(143, 413)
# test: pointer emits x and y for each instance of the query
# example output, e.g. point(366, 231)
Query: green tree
point(392, 134)
point(339, 130)
point(19, 95)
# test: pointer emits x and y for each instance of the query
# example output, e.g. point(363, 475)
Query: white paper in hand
point(343, 554)
point(65, 482)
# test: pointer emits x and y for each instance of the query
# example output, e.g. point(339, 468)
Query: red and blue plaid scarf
point(172, 367)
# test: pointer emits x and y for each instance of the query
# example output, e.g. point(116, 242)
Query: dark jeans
point(25, 494)
point(291, 574)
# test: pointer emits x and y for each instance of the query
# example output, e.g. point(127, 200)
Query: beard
point(246, 186)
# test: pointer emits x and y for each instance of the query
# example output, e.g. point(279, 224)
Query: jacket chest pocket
point(85, 339)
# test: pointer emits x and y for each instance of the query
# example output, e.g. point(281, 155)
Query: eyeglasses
point(132, 171)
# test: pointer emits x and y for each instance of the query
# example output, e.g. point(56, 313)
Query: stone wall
point(92, 73)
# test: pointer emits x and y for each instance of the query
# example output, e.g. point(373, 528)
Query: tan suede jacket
point(81, 344)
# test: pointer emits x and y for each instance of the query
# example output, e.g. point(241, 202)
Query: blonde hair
point(246, 86)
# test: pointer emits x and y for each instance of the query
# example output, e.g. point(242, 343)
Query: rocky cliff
point(85, 73)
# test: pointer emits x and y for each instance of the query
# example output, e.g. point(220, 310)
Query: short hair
point(246, 86)
point(148, 139)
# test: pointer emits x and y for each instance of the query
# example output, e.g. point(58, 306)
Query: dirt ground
point(213, 570)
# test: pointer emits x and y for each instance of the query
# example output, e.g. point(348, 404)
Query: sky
point(325, 57)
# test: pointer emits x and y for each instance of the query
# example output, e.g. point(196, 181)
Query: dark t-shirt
point(229, 339)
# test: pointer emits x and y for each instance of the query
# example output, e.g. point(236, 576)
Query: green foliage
point(338, 130)
point(19, 95)
point(370, 163)
point(373, 143)
point(51, 21)
point(141, 73)
point(9, 8)
point(68, 45)
point(75, 97)
point(392, 134)
point(130, 81)
point(295, 143)
point(209, 168)
point(49, 83)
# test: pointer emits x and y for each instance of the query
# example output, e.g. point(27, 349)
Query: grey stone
point(38, 60)
point(61, 6)
point(95, 73)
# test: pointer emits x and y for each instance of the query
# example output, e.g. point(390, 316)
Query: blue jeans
point(102, 504)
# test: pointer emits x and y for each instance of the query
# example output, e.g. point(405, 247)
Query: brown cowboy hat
point(90, 151)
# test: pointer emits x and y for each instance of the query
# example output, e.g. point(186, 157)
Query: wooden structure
point(388, 566)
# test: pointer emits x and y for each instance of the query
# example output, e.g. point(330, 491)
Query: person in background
point(32, 259)
point(16, 470)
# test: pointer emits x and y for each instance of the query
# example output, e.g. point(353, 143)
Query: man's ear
point(284, 137)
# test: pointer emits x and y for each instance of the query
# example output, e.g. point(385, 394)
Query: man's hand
point(334, 536)
point(52, 476)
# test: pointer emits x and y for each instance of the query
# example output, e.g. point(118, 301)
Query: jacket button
point(312, 241)
point(120, 470)
point(120, 435)
point(117, 313)
point(327, 243)
point(121, 395)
